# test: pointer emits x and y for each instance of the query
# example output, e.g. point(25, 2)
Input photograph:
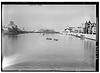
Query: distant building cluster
point(89, 28)
point(46, 30)
point(86, 28)
point(74, 29)
point(10, 26)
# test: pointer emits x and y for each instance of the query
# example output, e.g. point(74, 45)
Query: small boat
point(48, 38)
point(55, 39)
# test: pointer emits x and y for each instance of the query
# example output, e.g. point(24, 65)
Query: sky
point(57, 17)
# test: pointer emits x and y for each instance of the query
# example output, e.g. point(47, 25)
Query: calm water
point(35, 52)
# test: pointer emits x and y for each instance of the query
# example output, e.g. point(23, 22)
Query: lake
point(35, 51)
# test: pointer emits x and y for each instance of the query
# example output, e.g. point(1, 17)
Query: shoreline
point(80, 35)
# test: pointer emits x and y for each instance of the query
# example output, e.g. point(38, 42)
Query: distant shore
point(24, 32)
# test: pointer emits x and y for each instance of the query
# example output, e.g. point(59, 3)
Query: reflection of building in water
point(90, 53)
point(11, 41)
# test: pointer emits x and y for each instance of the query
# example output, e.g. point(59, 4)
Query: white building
point(11, 25)
point(94, 28)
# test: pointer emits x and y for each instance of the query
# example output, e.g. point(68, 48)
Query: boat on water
point(48, 38)
point(51, 39)
point(55, 39)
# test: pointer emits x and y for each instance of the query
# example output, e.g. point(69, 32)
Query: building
point(46, 31)
point(73, 29)
point(68, 29)
point(76, 29)
point(94, 28)
point(89, 28)
point(12, 28)
point(12, 25)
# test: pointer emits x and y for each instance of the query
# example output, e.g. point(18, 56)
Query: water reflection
point(49, 51)
point(9, 47)
point(90, 52)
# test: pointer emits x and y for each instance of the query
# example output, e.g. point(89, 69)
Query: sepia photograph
point(49, 36)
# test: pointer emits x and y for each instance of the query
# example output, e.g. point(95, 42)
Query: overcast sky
point(52, 17)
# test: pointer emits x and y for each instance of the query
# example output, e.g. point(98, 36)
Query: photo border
point(56, 3)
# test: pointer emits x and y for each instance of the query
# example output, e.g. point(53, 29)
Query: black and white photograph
point(50, 36)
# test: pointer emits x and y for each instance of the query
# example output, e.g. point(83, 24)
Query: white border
point(46, 1)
